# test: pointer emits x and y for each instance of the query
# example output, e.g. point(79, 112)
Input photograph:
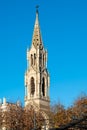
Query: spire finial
point(37, 6)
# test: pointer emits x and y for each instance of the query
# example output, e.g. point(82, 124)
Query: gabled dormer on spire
point(36, 39)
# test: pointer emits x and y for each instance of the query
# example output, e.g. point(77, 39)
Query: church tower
point(37, 76)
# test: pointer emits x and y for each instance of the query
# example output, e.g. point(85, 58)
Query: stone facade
point(37, 76)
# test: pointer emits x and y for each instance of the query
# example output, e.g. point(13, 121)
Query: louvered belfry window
point(32, 86)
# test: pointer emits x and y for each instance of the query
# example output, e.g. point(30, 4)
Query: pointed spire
point(36, 40)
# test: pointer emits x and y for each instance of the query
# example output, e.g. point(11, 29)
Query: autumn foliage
point(16, 117)
point(62, 117)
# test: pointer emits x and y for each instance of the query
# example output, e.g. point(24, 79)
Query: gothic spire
point(36, 40)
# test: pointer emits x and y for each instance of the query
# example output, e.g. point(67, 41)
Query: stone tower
point(36, 76)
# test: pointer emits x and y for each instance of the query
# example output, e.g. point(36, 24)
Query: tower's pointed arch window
point(40, 59)
point(32, 86)
point(43, 86)
point(34, 59)
point(31, 59)
point(43, 60)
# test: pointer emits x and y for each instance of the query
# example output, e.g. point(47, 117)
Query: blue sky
point(63, 26)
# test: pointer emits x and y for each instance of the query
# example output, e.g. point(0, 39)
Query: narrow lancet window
point(31, 59)
point(43, 87)
point(32, 86)
point(43, 60)
point(34, 59)
point(40, 59)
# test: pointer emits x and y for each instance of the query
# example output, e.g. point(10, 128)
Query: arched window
point(32, 86)
point(43, 60)
point(31, 59)
point(34, 59)
point(40, 59)
point(43, 87)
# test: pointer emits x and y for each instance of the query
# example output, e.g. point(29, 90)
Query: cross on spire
point(37, 6)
